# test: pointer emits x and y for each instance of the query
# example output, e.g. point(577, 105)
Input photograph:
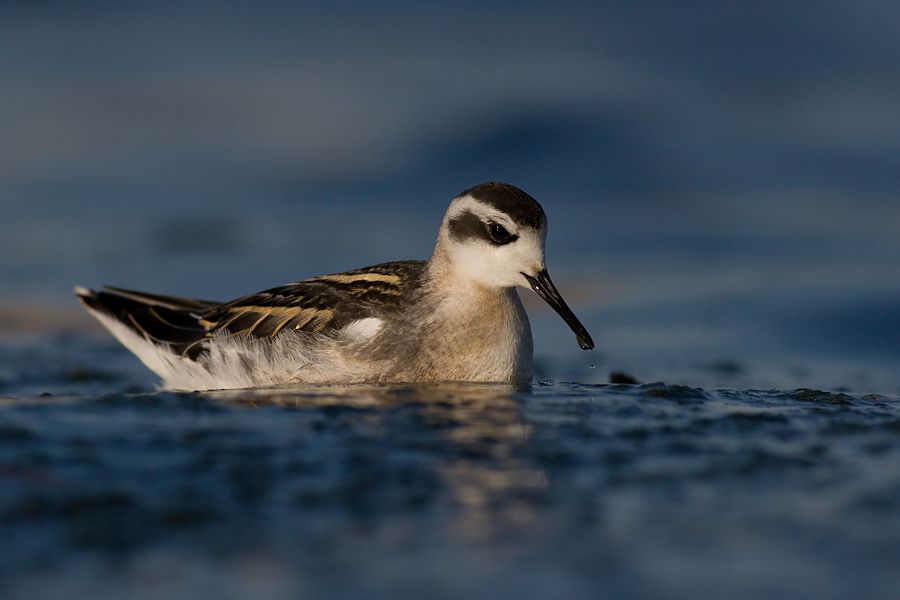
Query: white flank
point(363, 329)
point(176, 372)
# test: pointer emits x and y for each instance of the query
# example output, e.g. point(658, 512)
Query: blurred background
point(721, 179)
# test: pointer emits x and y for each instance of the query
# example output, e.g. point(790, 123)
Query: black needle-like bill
point(546, 290)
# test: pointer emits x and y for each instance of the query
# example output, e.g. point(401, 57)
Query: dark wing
point(320, 304)
point(163, 319)
point(171, 302)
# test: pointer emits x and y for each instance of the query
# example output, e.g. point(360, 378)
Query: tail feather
point(169, 321)
point(172, 302)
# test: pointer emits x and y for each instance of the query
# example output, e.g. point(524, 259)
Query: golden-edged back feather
point(321, 304)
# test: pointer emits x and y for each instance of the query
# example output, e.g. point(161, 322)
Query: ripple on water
point(335, 485)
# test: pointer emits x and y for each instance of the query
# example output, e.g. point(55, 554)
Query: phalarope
point(454, 317)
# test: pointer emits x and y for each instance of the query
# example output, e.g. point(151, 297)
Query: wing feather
point(321, 304)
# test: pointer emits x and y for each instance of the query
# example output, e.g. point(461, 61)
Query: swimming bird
point(455, 317)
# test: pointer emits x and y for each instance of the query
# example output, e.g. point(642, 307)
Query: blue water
point(464, 491)
point(721, 185)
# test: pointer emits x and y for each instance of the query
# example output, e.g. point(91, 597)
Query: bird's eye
point(499, 234)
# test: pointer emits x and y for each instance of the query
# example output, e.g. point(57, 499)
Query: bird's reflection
point(475, 433)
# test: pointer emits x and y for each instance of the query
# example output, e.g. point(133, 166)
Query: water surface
point(476, 491)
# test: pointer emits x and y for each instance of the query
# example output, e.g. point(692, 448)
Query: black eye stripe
point(468, 225)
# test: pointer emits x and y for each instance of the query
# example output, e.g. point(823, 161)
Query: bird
point(454, 317)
